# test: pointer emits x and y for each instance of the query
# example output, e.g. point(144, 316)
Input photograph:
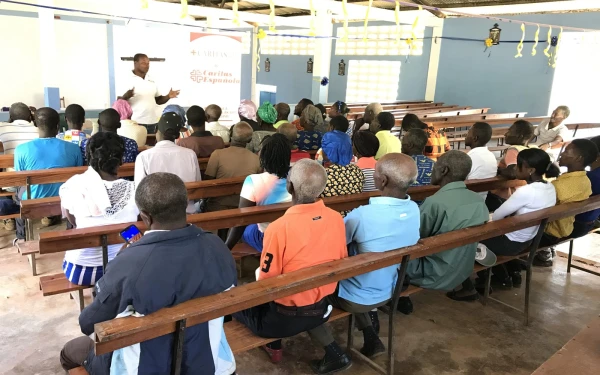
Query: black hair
point(365, 143)
point(306, 102)
point(483, 132)
point(524, 128)
point(47, 118)
point(75, 114)
point(109, 119)
point(19, 111)
point(340, 123)
point(163, 196)
point(411, 121)
point(538, 160)
point(587, 149)
point(386, 120)
point(596, 141)
point(417, 137)
point(139, 56)
point(104, 152)
point(322, 109)
point(196, 116)
point(275, 155)
point(341, 107)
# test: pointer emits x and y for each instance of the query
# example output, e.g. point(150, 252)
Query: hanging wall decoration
point(313, 15)
point(267, 65)
point(397, 16)
point(324, 81)
point(260, 35)
point(184, 8)
point(236, 14)
point(520, 45)
point(536, 39)
point(272, 16)
point(345, 10)
point(556, 44)
point(367, 20)
point(309, 65)
point(342, 68)
point(495, 34)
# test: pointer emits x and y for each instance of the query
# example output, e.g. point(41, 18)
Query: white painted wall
point(82, 66)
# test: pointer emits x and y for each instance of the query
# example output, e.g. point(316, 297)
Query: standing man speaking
point(143, 95)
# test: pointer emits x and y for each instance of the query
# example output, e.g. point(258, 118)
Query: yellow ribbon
point(549, 42)
point(397, 14)
point(557, 46)
point(313, 14)
point(236, 15)
point(520, 45)
point(184, 8)
point(367, 20)
point(272, 15)
point(345, 38)
point(144, 4)
point(536, 38)
point(410, 41)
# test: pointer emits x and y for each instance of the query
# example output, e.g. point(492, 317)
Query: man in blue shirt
point(387, 223)
point(413, 145)
point(585, 222)
point(46, 152)
point(109, 120)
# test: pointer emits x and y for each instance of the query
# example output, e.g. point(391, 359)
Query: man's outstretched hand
point(173, 94)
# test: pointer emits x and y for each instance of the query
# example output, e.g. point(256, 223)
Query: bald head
point(47, 120)
point(289, 131)
point(213, 113)
point(371, 112)
point(19, 111)
point(452, 166)
point(242, 133)
point(306, 181)
point(394, 173)
point(283, 111)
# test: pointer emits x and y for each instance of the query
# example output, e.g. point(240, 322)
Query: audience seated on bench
point(584, 222)
point(413, 145)
point(201, 141)
point(291, 134)
point(75, 118)
point(484, 161)
point(263, 189)
point(370, 117)
point(365, 145)
point(97, 197)
point(129, 128)
point(283, 114)
point(452, 208)
point(572, 186)
point(266, 116)
point(293, 242)
point(387, 141)
point(552, 133)
point(163, 268)
point(310, 128)
point(386, 223)
point(437, 143)
point(110, 121)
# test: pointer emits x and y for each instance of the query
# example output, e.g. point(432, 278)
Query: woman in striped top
point(365, 145)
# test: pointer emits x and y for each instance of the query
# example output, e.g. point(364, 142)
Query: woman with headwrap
point(310, 137)
point(185, 132)
point(365, 145)
point(266, 116)
point(247, 112)
point(129, 128)
point(342, 177)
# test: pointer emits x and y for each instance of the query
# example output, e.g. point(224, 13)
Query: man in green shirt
point(283, 113)
point(453, 207)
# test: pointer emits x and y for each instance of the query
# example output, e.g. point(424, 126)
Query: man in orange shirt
point(293, 242)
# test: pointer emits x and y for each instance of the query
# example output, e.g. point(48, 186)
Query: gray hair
point(313, 115)
point(401, 170)
point(376, 108)
point(308, 178)
point(458, 162)
point(242, 132)
point(163, 196)
point(564, 109)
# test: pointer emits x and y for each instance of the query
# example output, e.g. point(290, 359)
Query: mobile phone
point(131, 234)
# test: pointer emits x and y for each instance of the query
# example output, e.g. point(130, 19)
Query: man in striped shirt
point(18, 130)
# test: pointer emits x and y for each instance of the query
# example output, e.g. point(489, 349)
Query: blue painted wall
point(413, 73)
point(468, 76)
point(288, 73)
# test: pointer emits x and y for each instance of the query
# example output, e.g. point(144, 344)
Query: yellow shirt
point(570, 187)
point(387, 143)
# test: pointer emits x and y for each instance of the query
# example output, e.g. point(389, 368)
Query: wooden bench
point(425, 111)
point(119, 333)
point(580, 356)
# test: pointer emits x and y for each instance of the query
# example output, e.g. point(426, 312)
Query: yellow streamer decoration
point(236, 15)
point(272, 15)
point(549, 42)
point(536, 38)
point(184, 8)
point(557, 46)
point(144, 4)
point(313, 14)
point(410, 41)
point(261, 34)
point(489, 42)
point(345, 38)
point(367, 20)
point(397, 14)
point(520, 45)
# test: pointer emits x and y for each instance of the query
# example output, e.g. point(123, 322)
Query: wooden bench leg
point(32, 260)
point(488, 282)
point(350, 342)
point(527, 290)
point(570, 256)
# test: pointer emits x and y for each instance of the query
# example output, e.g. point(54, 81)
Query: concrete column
point(48, 56)
point(322, 57)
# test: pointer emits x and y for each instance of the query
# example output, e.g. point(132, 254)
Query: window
point(381, 41)
point(576, 76)
point(287, 45)
point(372, 81)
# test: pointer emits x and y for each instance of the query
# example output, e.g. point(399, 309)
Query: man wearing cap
point(166, 156)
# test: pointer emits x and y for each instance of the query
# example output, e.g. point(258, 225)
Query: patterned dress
point(343, 180)
point(309, 140)
point(131, 150)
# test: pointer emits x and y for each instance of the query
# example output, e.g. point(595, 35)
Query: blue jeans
point(253, 237)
